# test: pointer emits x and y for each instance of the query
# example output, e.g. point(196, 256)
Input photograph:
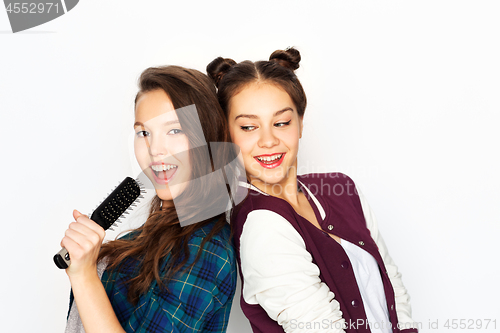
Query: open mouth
point(163, 173)
point(270, 161)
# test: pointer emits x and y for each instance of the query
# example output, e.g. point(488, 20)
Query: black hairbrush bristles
point(112, 208)
point(107, 214)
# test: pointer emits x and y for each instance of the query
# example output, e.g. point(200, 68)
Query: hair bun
point(288, 58)
point(218, 67)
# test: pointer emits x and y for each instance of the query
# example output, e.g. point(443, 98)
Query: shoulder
point(220, 239)
point(264, 229)
point(329, 177)
point(218, 250)
point(210, 271)
point(333, 186)
point(130, 235)
point(257, 200)
point(265, 220)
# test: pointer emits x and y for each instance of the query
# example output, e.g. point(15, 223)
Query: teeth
point(269, 158)
point(162, 167)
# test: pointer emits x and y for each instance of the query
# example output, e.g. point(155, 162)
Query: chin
point(170, 192)
point(266, 180)
point(273, 176)
point(164, 194)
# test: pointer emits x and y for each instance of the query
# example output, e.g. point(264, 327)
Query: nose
point(267, 138)
point(156, 146)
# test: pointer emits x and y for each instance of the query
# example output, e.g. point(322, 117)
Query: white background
point(403, 96)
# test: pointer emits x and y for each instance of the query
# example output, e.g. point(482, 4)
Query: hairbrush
point(107, 214)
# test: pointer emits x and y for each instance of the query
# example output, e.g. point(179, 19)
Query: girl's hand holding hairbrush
point(83, 241)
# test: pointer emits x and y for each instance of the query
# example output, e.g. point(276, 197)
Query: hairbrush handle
point(108, 212)
point(61, 259)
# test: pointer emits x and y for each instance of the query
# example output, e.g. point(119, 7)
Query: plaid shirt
point(198, 300)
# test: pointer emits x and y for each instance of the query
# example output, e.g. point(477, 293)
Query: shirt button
point(344, 265)
point(361, 243)
point(355, 303)
point(392, 307)
point(330, 227)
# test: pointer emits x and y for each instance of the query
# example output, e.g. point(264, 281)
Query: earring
point(161, 204)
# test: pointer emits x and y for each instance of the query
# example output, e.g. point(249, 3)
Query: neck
point(166, 204)
point(286, 189)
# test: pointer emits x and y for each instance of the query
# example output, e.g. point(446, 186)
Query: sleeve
point(403, 306)
point(280, 276)
point(198, 299)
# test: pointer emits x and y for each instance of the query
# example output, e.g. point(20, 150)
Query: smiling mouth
point(163, 173)
point(270, 161)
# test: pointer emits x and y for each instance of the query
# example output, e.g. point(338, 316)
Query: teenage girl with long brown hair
point(165, 276)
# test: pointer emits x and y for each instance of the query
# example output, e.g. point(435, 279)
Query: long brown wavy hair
point(162, 235)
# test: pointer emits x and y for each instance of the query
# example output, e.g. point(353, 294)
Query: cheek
point(180, 151)
point(178, 146)
point(141, 151)
point(231, 134)
point(242, 140)
point(292, 139)
point(186, 163)
point(244, 143)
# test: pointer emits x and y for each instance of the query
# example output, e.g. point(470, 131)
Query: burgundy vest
point(344, 217)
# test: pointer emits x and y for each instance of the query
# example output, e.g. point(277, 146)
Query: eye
point(282, 124)
point(248, 128)
point(174, 131)
point(142, 134)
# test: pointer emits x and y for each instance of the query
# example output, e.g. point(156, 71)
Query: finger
point(85, 220)
point(87, 240)
point(73, 248)
point(77, 214)
point(77, 251)
point(82, 228)
point(82, 218)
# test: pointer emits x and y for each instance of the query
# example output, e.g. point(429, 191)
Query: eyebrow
point(167, 123)
point(253, 116)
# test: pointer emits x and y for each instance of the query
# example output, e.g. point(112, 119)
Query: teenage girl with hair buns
point(311, 256)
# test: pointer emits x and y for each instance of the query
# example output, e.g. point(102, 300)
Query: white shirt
point(370, 287)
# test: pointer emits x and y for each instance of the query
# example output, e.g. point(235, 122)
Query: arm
point(83, 240)
point(280, 276)
point(403, 307)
